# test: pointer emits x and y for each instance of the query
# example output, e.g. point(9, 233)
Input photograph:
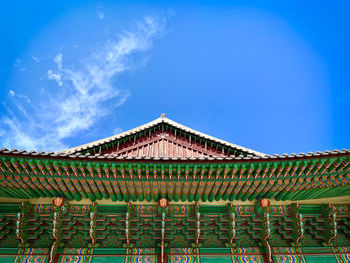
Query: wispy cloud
point(58, 60)
point(117, 130)
point(100, 14)
point(16, 95)
point(85, 92)
point(55, 76)
point(35, 58)
point(19, 65)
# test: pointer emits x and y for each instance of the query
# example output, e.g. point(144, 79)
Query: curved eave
point(218, 159)
point(292, 177)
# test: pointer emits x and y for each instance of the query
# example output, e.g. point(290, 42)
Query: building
point(163, 192)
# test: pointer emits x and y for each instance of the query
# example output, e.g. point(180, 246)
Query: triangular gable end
point(163, 138)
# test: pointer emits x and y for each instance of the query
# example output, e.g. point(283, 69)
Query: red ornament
point(264, 202)
point(58, 201)
point(163, 203)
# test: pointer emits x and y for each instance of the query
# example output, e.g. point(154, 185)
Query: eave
point(285, 177)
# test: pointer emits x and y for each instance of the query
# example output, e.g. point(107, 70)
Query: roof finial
point(162, 116)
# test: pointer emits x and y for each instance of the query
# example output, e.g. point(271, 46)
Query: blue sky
point(268, 75)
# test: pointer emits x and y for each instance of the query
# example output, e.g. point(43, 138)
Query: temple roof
point(249, 158)
point(173, 161)
point(163, 138)
point(77, 176)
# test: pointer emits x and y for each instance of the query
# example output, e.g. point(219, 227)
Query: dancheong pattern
point(282, 178)
point(165, 191)
point(180, 226)
point(32, 255)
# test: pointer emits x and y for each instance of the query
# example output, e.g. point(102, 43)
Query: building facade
point(163, 192)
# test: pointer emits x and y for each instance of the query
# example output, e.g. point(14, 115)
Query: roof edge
point(107, 157)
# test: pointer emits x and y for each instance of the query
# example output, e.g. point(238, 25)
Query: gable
point(163, 138)
point(166, 144)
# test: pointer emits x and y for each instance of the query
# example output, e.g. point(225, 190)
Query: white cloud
point(117, 131)
point(58, 60)
point(35, 58)
point(55, 76)
point(100, 14)
point(19, 65)
point(16, 95)
point(18, 135)
point(87, 92)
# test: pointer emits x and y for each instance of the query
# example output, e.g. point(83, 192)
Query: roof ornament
point(162, 116)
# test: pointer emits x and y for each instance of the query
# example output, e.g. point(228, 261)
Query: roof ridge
point(209, 137)
point(113, 137)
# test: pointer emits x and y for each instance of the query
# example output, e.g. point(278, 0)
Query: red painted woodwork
point(164, 144)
